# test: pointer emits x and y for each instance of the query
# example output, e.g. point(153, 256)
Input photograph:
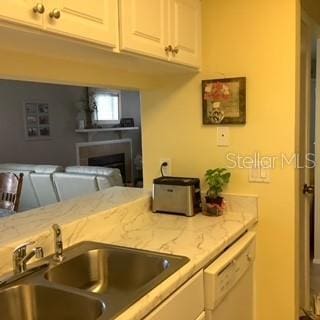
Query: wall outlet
point(167, 171)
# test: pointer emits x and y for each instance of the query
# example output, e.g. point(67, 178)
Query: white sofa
point(37, 188)
point(80, 180)
point(70, 185)
point(46, 184)
point(113, 176)
point(42, 181)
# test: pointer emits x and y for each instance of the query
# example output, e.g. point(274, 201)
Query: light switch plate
point(260, 174)
point(223, 136)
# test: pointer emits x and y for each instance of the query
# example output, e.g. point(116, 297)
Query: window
point(106, 105)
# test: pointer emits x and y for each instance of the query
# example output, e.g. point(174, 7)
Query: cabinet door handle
point(55, 14)
point(39, 8)
point(168, 49)
point(175, 50)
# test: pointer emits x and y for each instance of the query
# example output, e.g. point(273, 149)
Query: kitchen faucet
point(58, 244)
point(20, 257)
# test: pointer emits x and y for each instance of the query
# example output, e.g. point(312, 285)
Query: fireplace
point(108, 153)
point(110, 161)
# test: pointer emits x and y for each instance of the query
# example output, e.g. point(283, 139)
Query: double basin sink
point(95, 281)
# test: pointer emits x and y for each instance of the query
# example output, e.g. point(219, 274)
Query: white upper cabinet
point(185, 21)
point(169, 30)
point(165, 29)
point(94, 20)
point(144, 27)
point(29, 12)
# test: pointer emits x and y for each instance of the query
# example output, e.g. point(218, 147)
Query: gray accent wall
point(60, 148)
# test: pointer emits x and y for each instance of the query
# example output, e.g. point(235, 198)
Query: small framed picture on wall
point(37, 120)
point(224, 101)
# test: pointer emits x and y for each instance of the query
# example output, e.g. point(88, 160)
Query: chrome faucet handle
point(21, 250)
point(24, 245)
point(38, 251)
point(18, 256)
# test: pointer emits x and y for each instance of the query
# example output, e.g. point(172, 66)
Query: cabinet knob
point(39, 8)
point(175, 50)
point(308, 189)
point(55, 14)
point(168, 49)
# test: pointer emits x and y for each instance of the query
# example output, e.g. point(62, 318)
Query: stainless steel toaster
point(177, 195)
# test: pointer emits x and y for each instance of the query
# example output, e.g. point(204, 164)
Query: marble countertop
point(122, 216)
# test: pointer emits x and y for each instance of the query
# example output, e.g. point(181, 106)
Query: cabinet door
point(186, 303)
point(94, 20)
point(21, 11)
point(144, 27)
point(185, 33)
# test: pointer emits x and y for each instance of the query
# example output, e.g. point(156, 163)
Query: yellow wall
point(252, 38)
point(256, 39)
point(36, 67)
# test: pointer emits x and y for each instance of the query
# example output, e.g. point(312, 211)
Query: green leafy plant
point(216, 179)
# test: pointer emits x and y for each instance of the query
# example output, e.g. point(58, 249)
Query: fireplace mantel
point(93, 132)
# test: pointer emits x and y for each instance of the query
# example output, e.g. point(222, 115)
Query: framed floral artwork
point(224, 101)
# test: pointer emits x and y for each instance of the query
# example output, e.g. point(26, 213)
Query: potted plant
point(216, 179)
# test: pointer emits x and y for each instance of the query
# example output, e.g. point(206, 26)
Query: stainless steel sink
point(101, 270)
point(94, 281)
point(36, 302)
point(119, 275)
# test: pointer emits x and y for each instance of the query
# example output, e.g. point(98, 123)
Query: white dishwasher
point(229, 282)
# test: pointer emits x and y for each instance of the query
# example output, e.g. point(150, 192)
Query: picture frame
point(37, 120)
point(224, 101)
